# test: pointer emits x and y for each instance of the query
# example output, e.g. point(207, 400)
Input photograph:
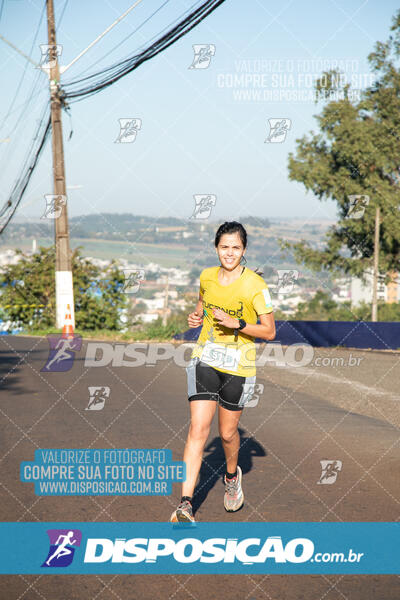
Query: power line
point(26, 64)
point(119, 70)
point(116, 72)
point(24, 71)
point(126, 38)
point(32, 94)
point(61, 16)
point(30, 163)
point(120, 18)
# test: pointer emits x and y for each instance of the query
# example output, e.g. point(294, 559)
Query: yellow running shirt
point(245, 298)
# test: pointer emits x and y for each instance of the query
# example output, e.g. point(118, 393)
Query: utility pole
point(64, 286)
point(165, 310)
point(376, 267)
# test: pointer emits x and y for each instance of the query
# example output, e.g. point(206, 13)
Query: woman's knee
point(227, 435)
point(199, 431)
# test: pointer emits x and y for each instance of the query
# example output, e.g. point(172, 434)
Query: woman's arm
point(265, 331)
point(199, 306)
point(195, 319)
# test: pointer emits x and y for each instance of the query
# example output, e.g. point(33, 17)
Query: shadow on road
point(10, 364)
point(213, 465)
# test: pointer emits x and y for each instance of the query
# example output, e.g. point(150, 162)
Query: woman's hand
point(224, 319)
point(195, 319)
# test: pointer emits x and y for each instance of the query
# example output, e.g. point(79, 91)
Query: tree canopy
point(28, 288)
point(356, 153)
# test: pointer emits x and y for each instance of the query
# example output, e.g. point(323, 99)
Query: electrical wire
point(125, 39)
point(33, 94)
point(62, 14)
point(38, 143)
point(24, 71)
point(122, 68)
point(116, 72)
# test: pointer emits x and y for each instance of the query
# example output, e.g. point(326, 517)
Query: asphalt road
point(337, 411)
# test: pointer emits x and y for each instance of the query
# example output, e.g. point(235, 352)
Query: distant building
point(152, 304)
point(342, 289)
point(148, 317)
point(362, 292)
point(171, 294)
point(393, 289)
point(9, 257)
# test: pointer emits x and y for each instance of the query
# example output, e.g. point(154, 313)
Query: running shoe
point(234, 496)
point(183, 514)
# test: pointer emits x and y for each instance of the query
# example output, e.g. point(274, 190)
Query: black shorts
point(206, 383)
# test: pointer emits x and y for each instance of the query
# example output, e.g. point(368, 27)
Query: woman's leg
point(201, 416)
point(228, 421)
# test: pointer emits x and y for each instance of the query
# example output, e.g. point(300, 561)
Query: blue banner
point(203, 548)
point(328, 334)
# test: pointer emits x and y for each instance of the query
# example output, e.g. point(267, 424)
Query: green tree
point(28, 292)
point(322, 308)
point(356, 152)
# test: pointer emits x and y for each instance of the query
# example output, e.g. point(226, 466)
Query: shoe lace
point(230, 486)
point(185, 505)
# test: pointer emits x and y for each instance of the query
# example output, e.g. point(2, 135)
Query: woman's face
point(230, 250)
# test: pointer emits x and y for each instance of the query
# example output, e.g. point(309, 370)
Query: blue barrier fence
point(325, 334)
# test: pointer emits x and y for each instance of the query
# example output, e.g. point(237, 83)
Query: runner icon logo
point(203, 204)
point(330, 470)
point(62, 547)
point(251, 394)
point(62, 353)
point(278, 129)
point(54, 206)
point(97, 397)
point(357, 206)
point(133, 279)
point(128, 129)
point(48, 55)
point(286, 280)
point(202, 56)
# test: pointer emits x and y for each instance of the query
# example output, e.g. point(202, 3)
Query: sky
point(201, 130)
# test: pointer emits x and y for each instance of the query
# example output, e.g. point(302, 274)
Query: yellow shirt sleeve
point(262, 302)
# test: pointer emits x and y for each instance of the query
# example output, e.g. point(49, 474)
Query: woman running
point(222, 367)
